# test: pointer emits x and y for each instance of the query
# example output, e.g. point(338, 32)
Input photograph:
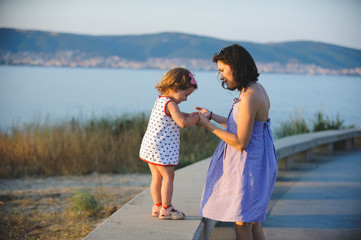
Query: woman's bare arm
point(245, 124)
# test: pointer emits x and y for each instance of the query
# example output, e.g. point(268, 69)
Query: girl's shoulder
point(162, 103)
point(163, 98)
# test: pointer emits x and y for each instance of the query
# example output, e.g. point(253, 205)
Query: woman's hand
point(203, 121)
point(208, 114)
point(204, 111)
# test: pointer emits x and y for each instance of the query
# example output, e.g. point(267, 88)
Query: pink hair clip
point(192, 79)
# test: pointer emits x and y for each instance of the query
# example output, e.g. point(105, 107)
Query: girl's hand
point(205, 112)
point(193, 114)
point(203, 121)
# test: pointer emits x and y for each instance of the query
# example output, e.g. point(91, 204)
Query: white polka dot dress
point(160, 145)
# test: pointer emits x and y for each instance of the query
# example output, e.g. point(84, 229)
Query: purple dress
point(239, 184)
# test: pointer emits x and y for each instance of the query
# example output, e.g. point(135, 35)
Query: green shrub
point(323, 122)
point(83, 201)
point(298, 125)
point(295, 125)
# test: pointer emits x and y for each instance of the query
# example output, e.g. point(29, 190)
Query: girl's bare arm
point(182, 119)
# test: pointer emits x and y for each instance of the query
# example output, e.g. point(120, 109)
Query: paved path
point(322, 200)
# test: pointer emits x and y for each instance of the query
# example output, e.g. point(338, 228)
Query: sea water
point(30, 94)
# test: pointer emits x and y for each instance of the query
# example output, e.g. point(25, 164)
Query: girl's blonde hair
point(176, 78)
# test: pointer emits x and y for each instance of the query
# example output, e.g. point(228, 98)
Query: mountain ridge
point(174, 45)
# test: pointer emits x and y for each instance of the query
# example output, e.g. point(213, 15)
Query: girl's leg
point(167, 173)
point(243, 231)
point(156, 184)
point(257, 231)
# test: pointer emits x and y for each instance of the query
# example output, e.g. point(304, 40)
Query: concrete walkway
point(320, 200)
point(134, 221)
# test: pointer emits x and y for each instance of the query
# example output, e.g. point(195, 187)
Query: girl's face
point(226, 75)
point(179, 95)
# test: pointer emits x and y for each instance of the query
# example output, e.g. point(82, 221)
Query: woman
point(243, 169)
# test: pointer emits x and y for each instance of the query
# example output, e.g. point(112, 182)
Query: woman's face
point(226, 75)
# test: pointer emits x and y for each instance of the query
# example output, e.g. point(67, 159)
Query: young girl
point(160, 145)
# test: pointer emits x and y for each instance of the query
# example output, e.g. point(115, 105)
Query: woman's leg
point(257, 231)
point(243, 231)
point(167, 173)
point(156, 184)
point(249, 231)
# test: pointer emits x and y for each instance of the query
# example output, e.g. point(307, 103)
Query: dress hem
point(171, 165)
point(229, 220)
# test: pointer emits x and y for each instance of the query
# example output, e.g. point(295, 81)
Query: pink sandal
point(155, 210)
point(170, 214)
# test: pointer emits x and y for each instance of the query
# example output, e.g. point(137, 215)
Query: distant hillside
point(175, 45)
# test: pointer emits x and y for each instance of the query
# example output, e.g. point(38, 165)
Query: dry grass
point(71, 148)
point(48, 213)
point(105, 145)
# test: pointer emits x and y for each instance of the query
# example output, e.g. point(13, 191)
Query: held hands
point(204, 115)
point(193, 114)
point(204, 111)
point(193, 117)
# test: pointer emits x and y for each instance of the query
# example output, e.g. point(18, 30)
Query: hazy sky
point(330, 21)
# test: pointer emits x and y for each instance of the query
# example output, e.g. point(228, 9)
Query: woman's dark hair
point(243, 67)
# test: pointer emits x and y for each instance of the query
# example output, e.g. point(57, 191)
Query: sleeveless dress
point(160, 144)
point(239, 184)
